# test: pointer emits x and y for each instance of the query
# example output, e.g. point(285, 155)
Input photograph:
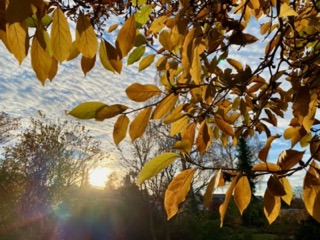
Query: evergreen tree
point(245, 161)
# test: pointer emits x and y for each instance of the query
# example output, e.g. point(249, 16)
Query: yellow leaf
point(156, 165)
point(110, 111)
point(289, 193)
point(120, 129)
point(86, 39)
point(112, 28)
point(158, 24)
point(224, 126)
point(146, 62)
point(263, 153)
point(139, 124)
point(54, 68)
point(187, 136)
point(60, 35)
point(215, 182)
point(242, 194)
point(289, 158)
point(86, 110)
point(265, 28)
point(309, 118)
point(165, 41)
point(266, 166)
point(142, 16)
point(87, 64)
point(224, 206)
point(286, 11)
point(178, 125)
point(165, 106)
point(195, 69)
point(177, 191)
point(126, 37)
point(40, 60)
point(311, 191)
point(109, 57)
point(234, 63)
point(272, 206)
point(275, 186)
point(140, 93)
point(295, 134)
point(204, 138)
point(18, 40)
point(73, 52)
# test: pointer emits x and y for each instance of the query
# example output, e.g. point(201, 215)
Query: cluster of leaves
point(201, 100)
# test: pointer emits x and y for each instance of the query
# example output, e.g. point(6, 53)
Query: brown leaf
point(315, 147)
point(204, 138)
point(275, 186)
point(289, 158)
point(140, 93)
point(110, 111)
point(87, 64)
point(311, 191)
point(272, 205)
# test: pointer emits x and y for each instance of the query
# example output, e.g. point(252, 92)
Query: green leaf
point(177, 191)
point(156, 165)
point(136, 55)
point(146, 62)
point(86, 110)
point(142, 16)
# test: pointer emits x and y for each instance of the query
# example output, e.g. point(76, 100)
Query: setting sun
point(98, 177)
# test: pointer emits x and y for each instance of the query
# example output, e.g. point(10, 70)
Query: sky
point(22, 95)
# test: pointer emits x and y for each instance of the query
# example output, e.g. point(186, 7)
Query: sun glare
point(98, 177)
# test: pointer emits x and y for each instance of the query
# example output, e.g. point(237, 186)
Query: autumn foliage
point(203, 93)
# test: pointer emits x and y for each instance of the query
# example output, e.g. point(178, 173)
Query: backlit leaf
point(136, 55)
point(286, 11)
point(289, 193)
point(177, 126)
point(18, 40)
point(53, 69)
point(272, 205)
point(215, 181)
point(87, 64)
point(86, 110)
point(146, 62)
point(311, 191)
point(156, 165)
point(242, 193)
point(126, 37)
point(165, 106)
point(139, 124)
point(263, 153)
point(300, 105)
point(158, 24)
point(110, 111)
point(275, 186)
point(120, 129)
point(266, 166)
point(112, 28)
point(61, 36)
point(265, 27)
point(109, 57)
point(315, 147)
point(204, 138)
point(40, 60)
point(177, 191)
point(289, 158)
point(142, 16)
point(86, 39)
point(74, 51)
point(140, 93)
point(234, 63)
point(224, 126)
point(18, 10)
point(224, 206)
